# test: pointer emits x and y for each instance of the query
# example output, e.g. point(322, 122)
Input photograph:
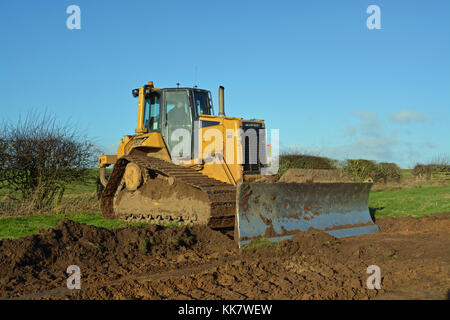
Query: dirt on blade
point(195, 262)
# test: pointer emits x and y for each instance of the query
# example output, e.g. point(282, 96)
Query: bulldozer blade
point(278, 211)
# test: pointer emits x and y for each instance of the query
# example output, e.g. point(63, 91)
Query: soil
point(195, 262)
point(314, 175)
point(407, 183)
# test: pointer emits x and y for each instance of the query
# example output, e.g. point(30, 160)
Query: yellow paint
point(105, 160)
point(140, 128)
point(229, 170)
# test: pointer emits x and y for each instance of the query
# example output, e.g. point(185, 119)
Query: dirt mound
point(314, 175)
point(194, 262)
point(427, 223)
point(40, 260)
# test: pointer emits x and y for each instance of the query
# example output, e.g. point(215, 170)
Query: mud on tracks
point(195, 262)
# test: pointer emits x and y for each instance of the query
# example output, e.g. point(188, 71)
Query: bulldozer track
point(221, 196)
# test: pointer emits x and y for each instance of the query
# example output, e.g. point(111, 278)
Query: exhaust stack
point(221, 102)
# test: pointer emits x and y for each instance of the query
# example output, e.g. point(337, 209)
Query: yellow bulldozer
point(184, 164)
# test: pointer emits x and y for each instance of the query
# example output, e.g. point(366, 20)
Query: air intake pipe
point(221, 102)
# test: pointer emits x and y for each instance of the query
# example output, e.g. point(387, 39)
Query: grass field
point(23, 226)
point(390, 203)
point(412, 202)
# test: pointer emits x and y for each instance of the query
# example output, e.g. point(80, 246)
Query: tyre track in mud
point(141, 278)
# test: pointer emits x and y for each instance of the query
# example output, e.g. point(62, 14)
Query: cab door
point(178, 119)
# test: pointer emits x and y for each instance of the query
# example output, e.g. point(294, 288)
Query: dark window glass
point(201, 102)
point(151, 113)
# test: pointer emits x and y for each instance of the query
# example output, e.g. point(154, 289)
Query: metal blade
point(278, 211)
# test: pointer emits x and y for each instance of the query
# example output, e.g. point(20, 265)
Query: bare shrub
point(3, 145)
point(437, 170)
point(39, 157)
point(303, 161)
point(387, 172)
point(441, 164)
point(360, 169)
point(422, 171)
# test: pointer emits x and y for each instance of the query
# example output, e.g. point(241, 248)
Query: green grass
point(87, 187)
point(258, 243)
point(414, 202)
point(405, 173)
point(75, 188)
point(13, 228)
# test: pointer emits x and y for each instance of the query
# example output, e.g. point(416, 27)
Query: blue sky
point(309, 68)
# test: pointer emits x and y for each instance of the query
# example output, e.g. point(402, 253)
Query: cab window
point(201, 102)
point(178, 128)
point(151, 113)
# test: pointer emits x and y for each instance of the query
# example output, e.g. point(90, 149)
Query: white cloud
point(372, 148)
point(369, 123)
point(405, 116)
point(372, 138)
point(350, 131)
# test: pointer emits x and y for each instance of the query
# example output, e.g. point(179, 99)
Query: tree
point(39, 157)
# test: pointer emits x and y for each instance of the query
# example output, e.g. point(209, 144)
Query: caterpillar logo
point(138, 141)
point(252, 124)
